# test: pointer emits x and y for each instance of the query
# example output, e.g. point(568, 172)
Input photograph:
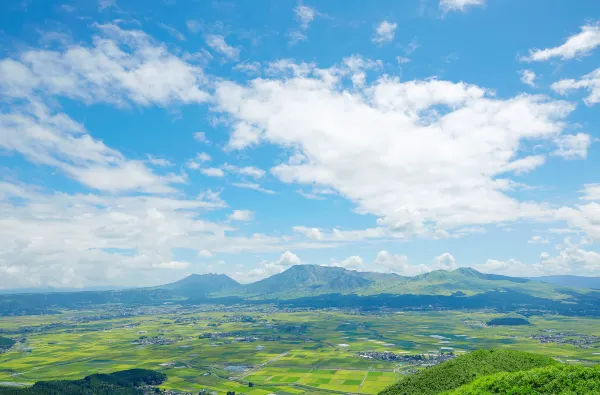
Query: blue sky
point(141, 141)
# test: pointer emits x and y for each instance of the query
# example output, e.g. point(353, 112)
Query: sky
point(142, 141)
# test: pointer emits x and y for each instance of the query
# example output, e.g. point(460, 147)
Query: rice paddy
point(309, 352)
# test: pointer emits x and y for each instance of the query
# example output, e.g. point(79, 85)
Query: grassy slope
point(463, 370)
point(562, 379)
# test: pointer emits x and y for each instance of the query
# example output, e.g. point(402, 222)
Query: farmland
point(278, 351)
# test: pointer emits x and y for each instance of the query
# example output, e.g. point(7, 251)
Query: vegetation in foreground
point(555, 380)
point(126, 382)
point(465, 369)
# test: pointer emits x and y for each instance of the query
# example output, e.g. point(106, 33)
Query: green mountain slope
point(465, 369)
point(555, 380)
point(307, 280)
point(303, 281)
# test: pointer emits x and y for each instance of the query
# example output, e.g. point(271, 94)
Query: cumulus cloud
point(528, 77)
point(538, 240)
point(393, 263)
point(57, 239)
point(589, 82)
point(120, 67)
point(591, 192)
point(200, 137)
point(305, 15)
point(577, 45)
point(351, 263)
point(241, 215)
point(430, 160)
point(268, 268)
point(249, 171)
point(585, 217)
point(198, 160)
point(571, 259)
point(572, 146)
point(311, 233)
point(212, 172)
point(396, 263)
point(384, 32)
point(459, 5)
point(218, 43)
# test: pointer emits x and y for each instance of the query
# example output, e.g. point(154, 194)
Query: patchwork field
point(304, 352)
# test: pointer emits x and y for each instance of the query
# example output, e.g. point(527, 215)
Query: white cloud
point(538, 240)
point(459, 5)
point(311, 233)
point(511, 267)
point(249, 171)
point(59, 239)
point(305, 15)
point(161, 162)
point(590, 82)
point(384, 32)
point(205, 254)
point(243, 136)
point(194, 26)
point(212, 172)
point(445, 262)
point(172, 265)
point(297, 36)
point(394, 263)
point(572, 259)
point(591, 192)
point(198, 160)
point(54, 139)
point(203, 157)
point(218, 43)
point(253, 186)
point(200, 137)
point(267, 269)
point(241, 215)
point(572, 146)
point(402, 60)
point(583, 217)
point(103, 4)
point(288, 259)
point(525, 165)
point(172, 31)
point(351, 263)
point(121, 66)
point(248, 67)
point(528, 77)
point(577, 45)
point(430, 159)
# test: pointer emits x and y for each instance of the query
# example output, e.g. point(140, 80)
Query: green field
point(311, 352)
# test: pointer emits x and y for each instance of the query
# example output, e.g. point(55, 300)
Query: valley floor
point(283, 352)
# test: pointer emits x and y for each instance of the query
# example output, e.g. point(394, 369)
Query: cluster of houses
point(574, 339)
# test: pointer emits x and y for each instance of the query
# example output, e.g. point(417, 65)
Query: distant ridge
point(201, 284)
point(326, 286)
point(570, 281)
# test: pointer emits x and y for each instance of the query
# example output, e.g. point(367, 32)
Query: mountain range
point(324, 286)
